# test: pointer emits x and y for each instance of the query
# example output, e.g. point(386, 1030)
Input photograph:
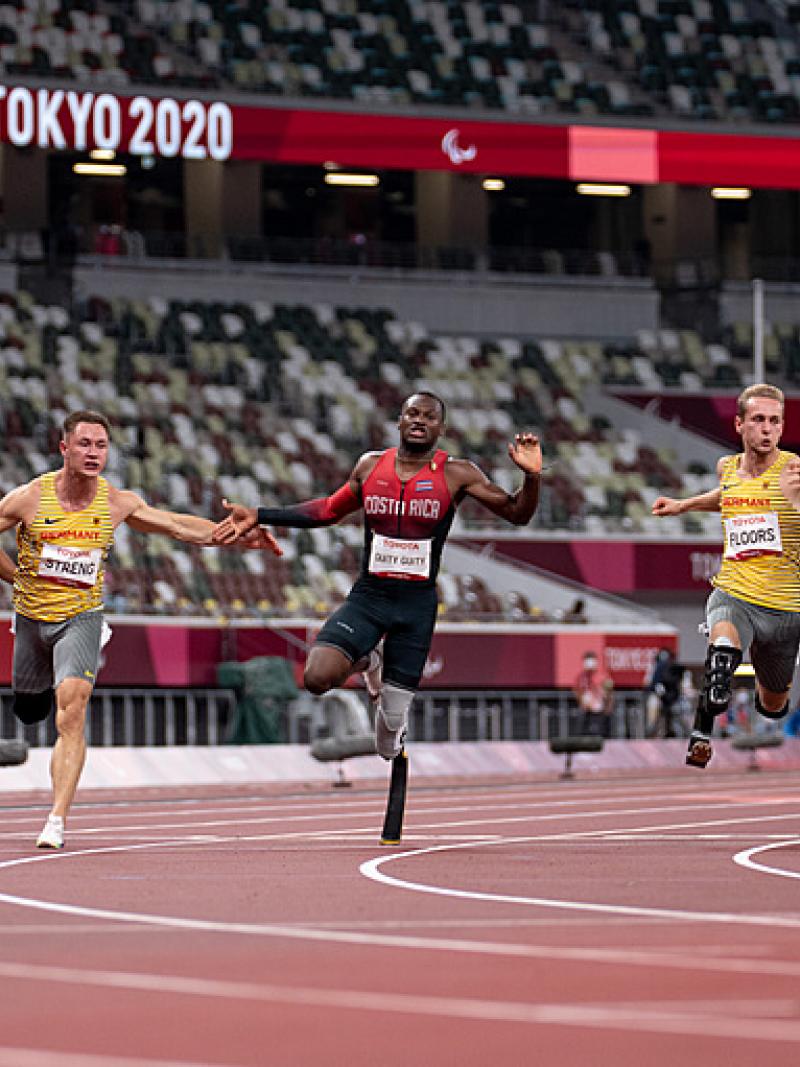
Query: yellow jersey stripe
point(760, 575)
point(61, 556)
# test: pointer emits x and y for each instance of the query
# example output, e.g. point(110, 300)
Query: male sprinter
point(756, 600)
point(409, 496)
point(65, 524)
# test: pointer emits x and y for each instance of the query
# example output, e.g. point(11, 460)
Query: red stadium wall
point(177, 655)
point(620, 567)
point(712, 416)
point(59, 120)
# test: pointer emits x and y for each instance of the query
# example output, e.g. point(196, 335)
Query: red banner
point(70, 120)
point(617, 566)
point(175, 655)
point(712, 416)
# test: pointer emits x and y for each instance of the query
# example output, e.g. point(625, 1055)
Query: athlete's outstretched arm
point(708, 501)
point(519, 507)
point(190, 528)
point(670, 505)
point(324, 511)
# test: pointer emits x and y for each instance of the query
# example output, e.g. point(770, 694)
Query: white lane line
point(458, 945)
point(315, 809)
point(29, 1057)
point(745, 859)
point(752, 1020)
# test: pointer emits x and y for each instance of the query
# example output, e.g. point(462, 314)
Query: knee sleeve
point(721, 661)
point(31, 708)
point(395, 704)
point(773, 715)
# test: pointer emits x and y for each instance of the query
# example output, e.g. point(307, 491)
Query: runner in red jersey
point(409, 495)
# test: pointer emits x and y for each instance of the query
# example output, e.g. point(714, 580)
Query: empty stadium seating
point(695, 59)
point(266, 403)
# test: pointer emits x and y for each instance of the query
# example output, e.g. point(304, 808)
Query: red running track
point(645, 921)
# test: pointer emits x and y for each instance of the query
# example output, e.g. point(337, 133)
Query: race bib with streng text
point(400, 558)
point(77, 567)
point(756, 534)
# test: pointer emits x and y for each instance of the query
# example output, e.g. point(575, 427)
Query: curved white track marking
point(751, 1020)
point(458, 945)
point(744, 859)
point(372, 869)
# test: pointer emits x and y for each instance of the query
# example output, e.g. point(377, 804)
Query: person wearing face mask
point(593, 691)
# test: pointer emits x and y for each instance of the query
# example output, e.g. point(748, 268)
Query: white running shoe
point(389, 743)
point(373, 675)
point(52, 836)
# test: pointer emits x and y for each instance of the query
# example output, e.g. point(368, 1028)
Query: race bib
point(77, 567)
point(393, 557)
point(757, 534)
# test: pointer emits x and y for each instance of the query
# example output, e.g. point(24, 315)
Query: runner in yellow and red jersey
point(65, 523)
point(409, 495)
point(755, 603)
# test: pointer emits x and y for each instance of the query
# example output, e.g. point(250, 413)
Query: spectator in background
point(577, 613)
point(664, 691)
point(594, 691)
point(792, 725)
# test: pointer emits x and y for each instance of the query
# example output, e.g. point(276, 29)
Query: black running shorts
point(402, 612)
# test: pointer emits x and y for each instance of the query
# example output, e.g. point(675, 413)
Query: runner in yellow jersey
point(65, 523)
point(756, 599)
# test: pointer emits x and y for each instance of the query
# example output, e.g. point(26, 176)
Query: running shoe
point(52, 836)
point(373, 675)
point(700, 750)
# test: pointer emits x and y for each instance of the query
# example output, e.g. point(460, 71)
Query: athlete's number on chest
point(78, 567)
point(396, 556)
point(755, 534)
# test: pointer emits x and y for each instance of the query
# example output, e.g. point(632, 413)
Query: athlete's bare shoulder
point(365, 465)
point(122, 503)
point(722, 463)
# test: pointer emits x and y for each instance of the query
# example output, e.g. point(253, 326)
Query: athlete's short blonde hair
point(761, 389)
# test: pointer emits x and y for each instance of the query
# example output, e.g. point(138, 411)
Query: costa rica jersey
point(406, 523)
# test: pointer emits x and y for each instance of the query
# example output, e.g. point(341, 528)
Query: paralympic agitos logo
point(453, 150)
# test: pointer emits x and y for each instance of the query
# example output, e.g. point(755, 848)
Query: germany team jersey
point(761, 532)
point(61, 556)
point(406, 523)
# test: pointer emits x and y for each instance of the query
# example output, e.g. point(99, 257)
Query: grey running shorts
point(773, 637)
point(45, 653)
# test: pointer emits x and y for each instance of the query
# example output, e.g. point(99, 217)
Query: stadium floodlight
point(494, 185)
point(725, 192)
point(338, 177)
point(101, 170)
point(102, 155)
point(602, 189)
